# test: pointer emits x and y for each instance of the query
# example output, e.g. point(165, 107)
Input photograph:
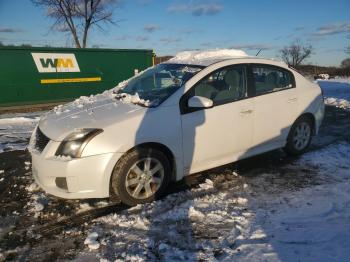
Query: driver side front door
point(221, 134)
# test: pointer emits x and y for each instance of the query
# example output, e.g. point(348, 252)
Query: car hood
point(62, 120)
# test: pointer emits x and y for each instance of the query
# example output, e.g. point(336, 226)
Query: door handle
point(291, 100)
point(247, 111)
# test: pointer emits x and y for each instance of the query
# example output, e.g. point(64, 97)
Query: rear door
point(275, 105)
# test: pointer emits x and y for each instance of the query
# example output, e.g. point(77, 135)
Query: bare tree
point(78, 16)
point(295, 53)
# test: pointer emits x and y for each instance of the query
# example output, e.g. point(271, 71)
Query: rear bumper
point(319, 115)
point(87, 177)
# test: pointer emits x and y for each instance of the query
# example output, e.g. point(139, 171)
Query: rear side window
point(269, 79)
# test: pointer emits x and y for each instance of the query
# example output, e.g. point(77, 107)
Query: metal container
point(35, 75)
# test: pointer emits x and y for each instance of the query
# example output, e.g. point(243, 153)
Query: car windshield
point(156, 84)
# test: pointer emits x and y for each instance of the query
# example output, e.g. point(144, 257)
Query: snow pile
point(33, 187)
point(206, 57)
point(207, 185)
point(135, 99)
point(86, 206)
point(37, 202)
point(341, 103)
point(38, 206)
point(83, 102)
point(88, 102)
point(336, 92)
point(91, 241)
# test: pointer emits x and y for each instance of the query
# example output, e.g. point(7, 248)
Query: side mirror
point(200, 102)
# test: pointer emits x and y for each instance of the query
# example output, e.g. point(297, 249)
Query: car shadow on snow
point(157, 245)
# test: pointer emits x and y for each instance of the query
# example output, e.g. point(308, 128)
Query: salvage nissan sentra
point(192, 113)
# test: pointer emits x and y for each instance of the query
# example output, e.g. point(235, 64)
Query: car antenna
point(258, 52)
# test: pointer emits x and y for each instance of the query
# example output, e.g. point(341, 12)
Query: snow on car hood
point(97, 111)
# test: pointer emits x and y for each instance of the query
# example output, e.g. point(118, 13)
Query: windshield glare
point(158, 83)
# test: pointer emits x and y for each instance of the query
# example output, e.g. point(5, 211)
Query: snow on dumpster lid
point(206, 57)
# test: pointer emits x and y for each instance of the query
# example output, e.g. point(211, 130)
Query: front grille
point(41, 140)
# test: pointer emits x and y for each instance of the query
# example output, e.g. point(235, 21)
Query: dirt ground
point(38, 227)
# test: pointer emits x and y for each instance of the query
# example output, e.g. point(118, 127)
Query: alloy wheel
point(302, 134)
point(144, 178)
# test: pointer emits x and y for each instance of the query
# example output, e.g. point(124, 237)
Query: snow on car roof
point(206, 57)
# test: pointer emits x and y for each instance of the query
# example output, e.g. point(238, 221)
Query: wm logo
point(55, 62)
point(58, 62)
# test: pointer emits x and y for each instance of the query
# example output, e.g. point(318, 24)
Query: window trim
point(251, 65)
point(184, 109)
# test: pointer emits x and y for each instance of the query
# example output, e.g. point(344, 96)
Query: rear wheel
point(141, 176)
point(300, 136)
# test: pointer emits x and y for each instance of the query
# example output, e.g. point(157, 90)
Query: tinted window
point(270, 79)
point(224, 85)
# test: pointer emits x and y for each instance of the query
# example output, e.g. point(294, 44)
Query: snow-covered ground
point(261, 219)
point(336, 92)
point(15, 130)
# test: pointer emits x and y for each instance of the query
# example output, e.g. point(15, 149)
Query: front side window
point(158, 83)
point(224, 85)
point(269, 79)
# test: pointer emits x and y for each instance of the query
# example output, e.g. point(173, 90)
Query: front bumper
point(87, 177)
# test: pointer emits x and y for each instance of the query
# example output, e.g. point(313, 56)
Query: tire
point(299, 137)
point(132, 180)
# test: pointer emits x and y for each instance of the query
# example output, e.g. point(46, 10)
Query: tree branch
point(79, 16)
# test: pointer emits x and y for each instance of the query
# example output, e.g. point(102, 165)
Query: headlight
point(74, 144)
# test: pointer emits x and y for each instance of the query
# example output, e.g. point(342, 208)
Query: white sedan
point(172, 120)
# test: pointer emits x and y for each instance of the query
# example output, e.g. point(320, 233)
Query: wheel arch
point(160, 147)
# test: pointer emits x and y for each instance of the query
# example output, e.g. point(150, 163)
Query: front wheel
point(140, 176)
point(299, 137)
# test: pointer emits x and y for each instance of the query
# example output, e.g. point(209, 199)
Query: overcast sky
point(169, 26)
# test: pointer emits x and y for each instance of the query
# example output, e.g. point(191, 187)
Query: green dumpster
point(36, 75)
